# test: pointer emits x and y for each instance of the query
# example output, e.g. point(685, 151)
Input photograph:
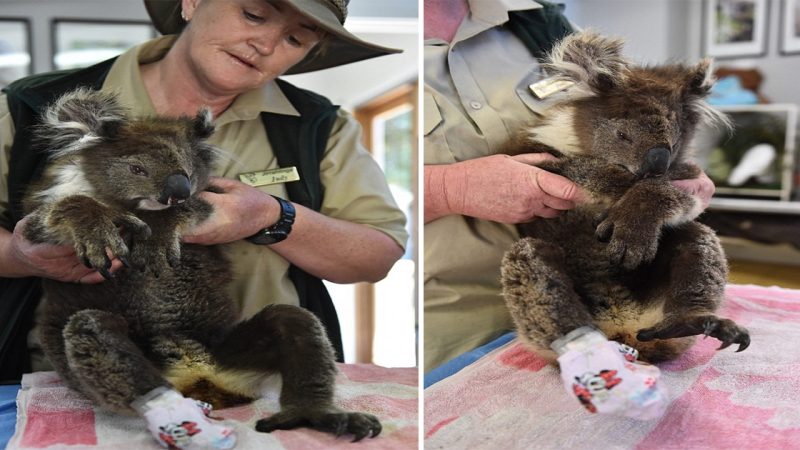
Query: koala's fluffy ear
point(79, 119)
point(699, 81)
point(203, 125)
point(589, 59)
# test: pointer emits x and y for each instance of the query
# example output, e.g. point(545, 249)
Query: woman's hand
point(240, 211)
point(502, 188)
point(22, 258)
point(701, 187)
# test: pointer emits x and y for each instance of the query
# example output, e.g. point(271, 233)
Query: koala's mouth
point(153, 204)
point(177, 189)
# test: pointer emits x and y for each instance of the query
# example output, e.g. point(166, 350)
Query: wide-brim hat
point(341, 47)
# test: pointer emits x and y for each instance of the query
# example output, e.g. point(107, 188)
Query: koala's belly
point(190, 299)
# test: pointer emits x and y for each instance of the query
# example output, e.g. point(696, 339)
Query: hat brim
point(341, 46)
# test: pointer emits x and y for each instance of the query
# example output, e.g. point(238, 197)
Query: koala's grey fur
point(632, 261)
point(129, 185)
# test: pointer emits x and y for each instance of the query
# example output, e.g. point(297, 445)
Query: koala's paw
point(157, 255)
point(630, 243)
point(99, 240)
point(726, 330)
point(336, 422)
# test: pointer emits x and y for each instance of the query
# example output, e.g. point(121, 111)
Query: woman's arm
point(333, 249)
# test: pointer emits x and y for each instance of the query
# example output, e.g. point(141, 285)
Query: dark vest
point(296, 141)
point(539, 28)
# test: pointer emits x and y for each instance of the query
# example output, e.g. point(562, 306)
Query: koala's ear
point(203, 125)
point(700, 78)
point(696, 87)
point(590, 59)
point(79, 119)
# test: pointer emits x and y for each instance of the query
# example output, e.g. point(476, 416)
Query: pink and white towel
point(511, 399)
point(51, 416)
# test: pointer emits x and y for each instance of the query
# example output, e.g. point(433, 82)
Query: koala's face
point(140, 163)
point(642, 134)
point(640, 118)
point(149, 164)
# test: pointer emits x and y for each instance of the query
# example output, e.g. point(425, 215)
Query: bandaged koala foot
point(606, 378)
point(183, 423)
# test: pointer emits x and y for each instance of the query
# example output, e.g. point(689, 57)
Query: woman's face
point(238, 45)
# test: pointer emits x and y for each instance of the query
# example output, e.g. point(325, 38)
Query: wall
point(359, 82)
point(661, 30)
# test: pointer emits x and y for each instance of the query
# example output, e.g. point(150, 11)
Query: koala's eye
point(138, 170)
point(624, 137)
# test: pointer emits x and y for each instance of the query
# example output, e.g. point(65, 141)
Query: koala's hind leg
point(540, 294)
point(292, 342)
point(107, 365)
point(696, 270)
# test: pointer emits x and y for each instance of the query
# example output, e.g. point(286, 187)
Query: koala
point(121, 187)
point(631, 261)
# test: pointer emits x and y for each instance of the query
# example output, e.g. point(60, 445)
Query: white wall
point(356, 83)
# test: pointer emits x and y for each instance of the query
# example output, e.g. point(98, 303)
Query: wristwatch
point(280, 230)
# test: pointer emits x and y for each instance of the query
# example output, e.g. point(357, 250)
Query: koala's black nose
point(656, 162)
point(176, 190)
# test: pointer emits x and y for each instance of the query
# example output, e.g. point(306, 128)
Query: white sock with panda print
point(180, 422)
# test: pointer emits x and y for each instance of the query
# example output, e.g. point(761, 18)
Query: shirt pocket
point(431, 116)
point(436, 148)
point(525, 94)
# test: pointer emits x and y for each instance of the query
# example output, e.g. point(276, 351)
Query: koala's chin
point(632, 261)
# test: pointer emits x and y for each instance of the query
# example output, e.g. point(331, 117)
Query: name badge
point(549, 86)
point(267, 177)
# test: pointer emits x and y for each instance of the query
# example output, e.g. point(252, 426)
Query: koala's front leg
point(163, 250)
point(91, 227)
point(633, 225)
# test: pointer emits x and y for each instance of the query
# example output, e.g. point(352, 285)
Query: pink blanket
point(511, 399)
point(53, 417)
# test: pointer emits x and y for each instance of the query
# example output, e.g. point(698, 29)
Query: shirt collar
point(125, 80)
point(496, 12)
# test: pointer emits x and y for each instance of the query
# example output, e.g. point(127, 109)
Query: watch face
point(265, 237)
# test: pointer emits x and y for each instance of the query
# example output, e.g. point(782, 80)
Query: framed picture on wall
point(790, 27)
point(81, 43)
point(15, 49)
point(735, 28)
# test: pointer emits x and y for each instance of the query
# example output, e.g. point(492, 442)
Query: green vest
point(298, 141)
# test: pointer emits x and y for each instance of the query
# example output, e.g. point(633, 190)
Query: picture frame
point(15, 49)
point(735, 28)
point(82, 42)
point(790, 27)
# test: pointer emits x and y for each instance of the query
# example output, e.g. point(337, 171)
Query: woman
point(227, 58)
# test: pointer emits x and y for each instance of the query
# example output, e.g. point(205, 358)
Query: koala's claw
point(726, 330)
point(604, 230)
point(628, 246)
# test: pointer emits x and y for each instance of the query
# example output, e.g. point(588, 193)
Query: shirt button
point(476, 105)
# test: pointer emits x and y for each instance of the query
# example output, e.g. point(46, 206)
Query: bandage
point(179, 422)
point(606, 377)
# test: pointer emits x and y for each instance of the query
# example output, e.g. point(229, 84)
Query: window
point(386, 312)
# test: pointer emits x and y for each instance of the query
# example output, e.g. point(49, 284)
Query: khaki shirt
point(476, 97)
point(355, 187)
